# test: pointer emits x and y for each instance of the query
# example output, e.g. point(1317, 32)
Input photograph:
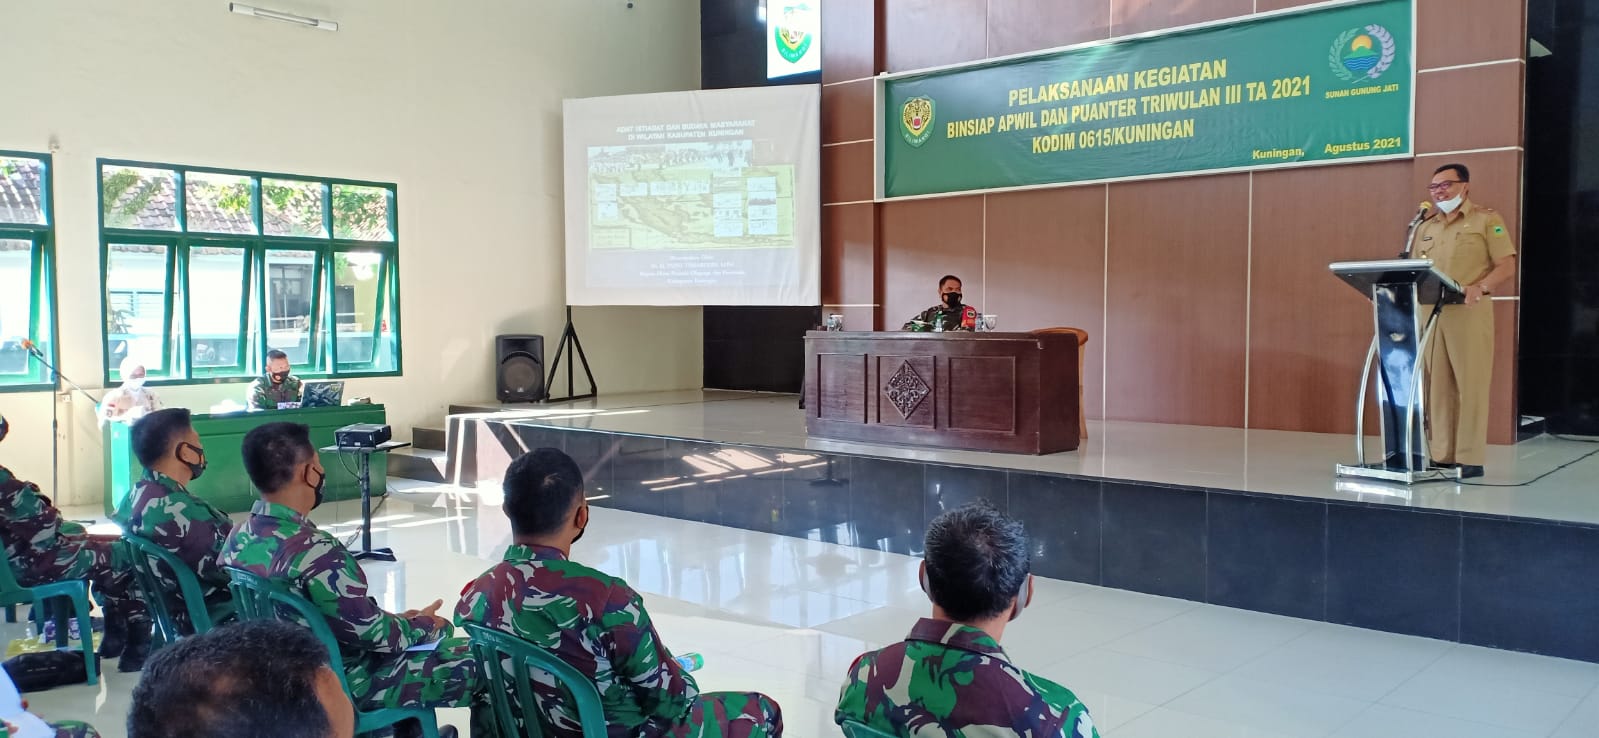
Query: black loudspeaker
point(519, 368)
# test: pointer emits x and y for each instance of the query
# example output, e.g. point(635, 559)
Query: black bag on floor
point(34, 672)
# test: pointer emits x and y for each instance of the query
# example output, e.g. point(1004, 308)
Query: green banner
point(1329, 84)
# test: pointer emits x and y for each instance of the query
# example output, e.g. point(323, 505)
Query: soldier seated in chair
point(949, 676)
point(161, 509)
point(43, 548)
point(593, 621)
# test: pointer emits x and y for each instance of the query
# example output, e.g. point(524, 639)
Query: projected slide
point(693, 198)
point(694, 195)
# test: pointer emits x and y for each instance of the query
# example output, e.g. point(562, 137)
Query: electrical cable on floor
point(1538, 478)
point(1575, 439)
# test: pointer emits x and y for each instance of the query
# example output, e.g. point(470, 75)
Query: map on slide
point(702, 195)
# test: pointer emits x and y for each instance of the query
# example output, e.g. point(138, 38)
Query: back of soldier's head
point(977, 561)
point(245, 680)
point(541, 488)
point(273, 451)
point(154, 435)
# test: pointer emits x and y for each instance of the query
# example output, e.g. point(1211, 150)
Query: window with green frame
point(204, 270)
point(27, 270)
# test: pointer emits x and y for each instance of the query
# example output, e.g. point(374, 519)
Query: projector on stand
point(362, 435)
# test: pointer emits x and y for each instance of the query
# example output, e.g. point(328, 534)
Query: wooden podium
point(1010, 392)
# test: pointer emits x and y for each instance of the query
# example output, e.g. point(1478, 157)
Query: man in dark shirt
point(950, 314)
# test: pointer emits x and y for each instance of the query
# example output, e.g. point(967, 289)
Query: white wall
point(457, 102)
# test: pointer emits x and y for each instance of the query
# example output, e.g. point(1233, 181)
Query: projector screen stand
point(569, 341)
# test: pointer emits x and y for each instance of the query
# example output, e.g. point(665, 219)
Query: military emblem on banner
point(792, 40)
point(1361, 54)
point(916, 120)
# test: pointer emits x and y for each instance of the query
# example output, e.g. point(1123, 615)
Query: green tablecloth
point(225, 483)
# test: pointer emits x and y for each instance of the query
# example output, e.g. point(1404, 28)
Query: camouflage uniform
point(264, 395)
point(43, 548)
point(598, 624)
point(965, 320)
point(950, 679)
point(280, 543)
point(74, 729)
point(190, 528)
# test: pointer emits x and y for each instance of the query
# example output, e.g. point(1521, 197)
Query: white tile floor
point(786, 616)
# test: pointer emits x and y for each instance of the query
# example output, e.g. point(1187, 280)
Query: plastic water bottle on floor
point(691, 662)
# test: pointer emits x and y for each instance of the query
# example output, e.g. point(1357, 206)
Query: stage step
point(430, 439)
point(420, 464)
point(491, 407)
point(1531, 426)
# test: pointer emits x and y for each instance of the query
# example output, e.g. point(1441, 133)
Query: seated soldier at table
point(161, 509)
point(950, 314)
point(950, 676)
point(279, 541)
point(278, 387)
point(44, 548)
point(131, 401)
point(594, 621)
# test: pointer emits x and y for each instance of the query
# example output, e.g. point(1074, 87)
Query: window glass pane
point(21, 190)
point(135, 197)
point(136, 287)
point(291, 207)
point(291, 283)
point(216, 298)
point(16, 305)
point(361, 213)
point(365, 340)
point(219, 203)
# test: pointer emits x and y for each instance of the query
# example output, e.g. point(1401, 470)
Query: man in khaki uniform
point(1469, 243)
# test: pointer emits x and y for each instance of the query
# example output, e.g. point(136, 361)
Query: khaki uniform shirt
point(1466, 243)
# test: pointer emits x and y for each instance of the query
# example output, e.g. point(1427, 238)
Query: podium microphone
point(1421, 213)
point(32, 348)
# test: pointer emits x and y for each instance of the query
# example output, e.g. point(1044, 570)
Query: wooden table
point(1011, 392)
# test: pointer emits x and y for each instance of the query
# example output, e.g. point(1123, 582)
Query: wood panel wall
point(1207, 299)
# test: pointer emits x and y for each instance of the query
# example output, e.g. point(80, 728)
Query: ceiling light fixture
point(300, 20)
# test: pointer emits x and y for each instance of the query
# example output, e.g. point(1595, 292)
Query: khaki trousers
point(1459, 369)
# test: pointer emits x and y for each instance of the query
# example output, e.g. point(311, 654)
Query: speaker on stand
point(519, 368)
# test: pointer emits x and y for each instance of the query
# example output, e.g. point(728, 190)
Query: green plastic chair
point(493, 648)
point(259, 598)
point(146, 557)
point(73, 592)
point(855, 729)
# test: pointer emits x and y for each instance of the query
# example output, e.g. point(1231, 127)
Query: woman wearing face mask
point(132, 400)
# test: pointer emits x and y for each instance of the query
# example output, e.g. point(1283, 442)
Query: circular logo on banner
point(792, 41)
point(916, 120)
point(1360, 54)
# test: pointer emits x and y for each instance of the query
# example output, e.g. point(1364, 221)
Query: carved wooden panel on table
point(905, 391)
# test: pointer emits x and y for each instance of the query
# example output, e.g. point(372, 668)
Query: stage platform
point(1250, 519)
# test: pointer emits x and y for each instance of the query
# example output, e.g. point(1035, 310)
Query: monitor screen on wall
point(793, 38)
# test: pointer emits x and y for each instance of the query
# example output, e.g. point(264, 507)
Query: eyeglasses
point(1441, 186)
